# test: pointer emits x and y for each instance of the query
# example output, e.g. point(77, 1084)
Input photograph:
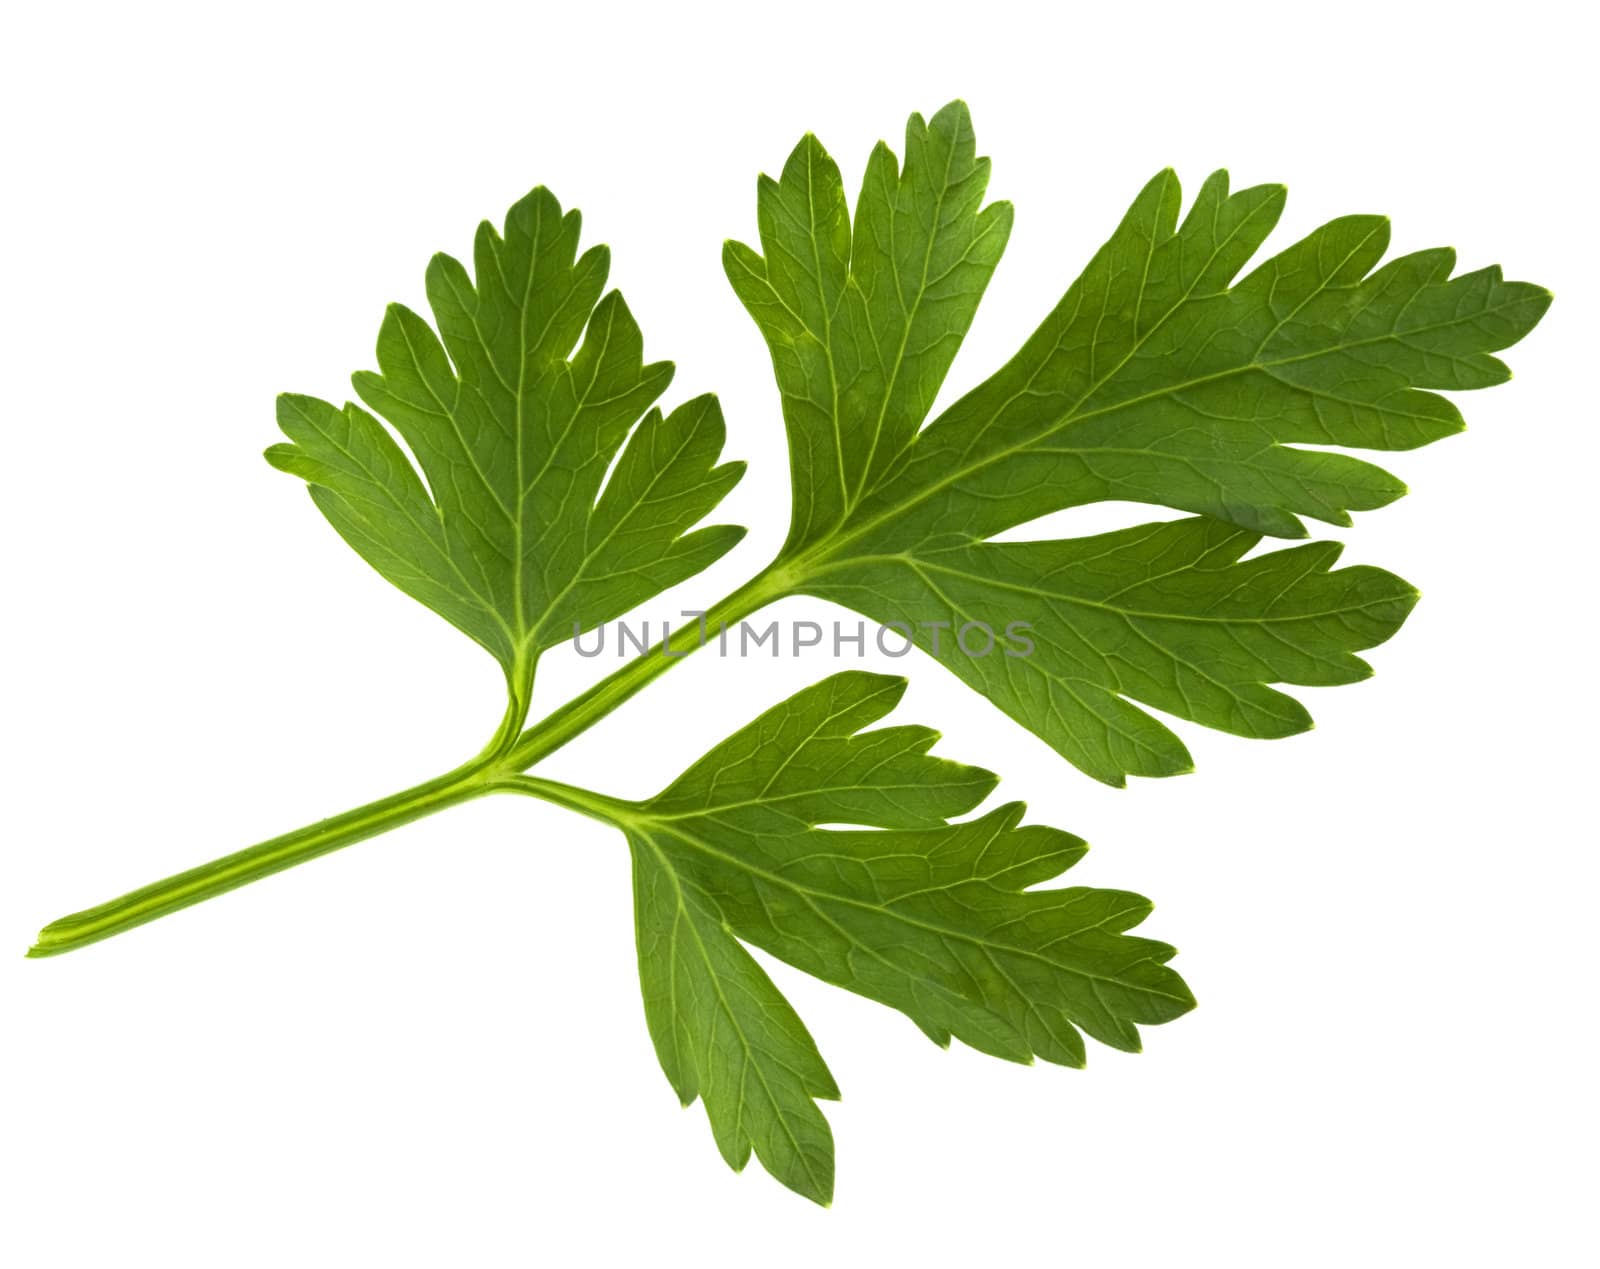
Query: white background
point(429, 1049)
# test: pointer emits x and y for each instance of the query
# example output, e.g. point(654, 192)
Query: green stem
point(519, 699)
point(610, 811)
point(493, 770)
point(254, 862)
point(588, 708)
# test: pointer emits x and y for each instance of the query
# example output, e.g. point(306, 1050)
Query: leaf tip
point(894, 687)
point(809, 149)
point(955, 116)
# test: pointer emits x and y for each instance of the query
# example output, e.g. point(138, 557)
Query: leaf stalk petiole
point(497, 768)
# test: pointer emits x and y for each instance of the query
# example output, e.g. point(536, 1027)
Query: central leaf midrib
point(917, 563)
point(727, 1009)
point(851, 502)
point(830, 548)
point(850, 901)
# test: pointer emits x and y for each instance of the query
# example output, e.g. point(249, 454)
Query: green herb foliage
point(1157, 379)
point(475, 479)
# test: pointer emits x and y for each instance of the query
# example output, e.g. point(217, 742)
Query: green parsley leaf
point(724, 1033)
point(827, 843)
point(1156, 379)
point(1162, 613)
point(935, 919)
point(864, 325)
point(511, 539)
